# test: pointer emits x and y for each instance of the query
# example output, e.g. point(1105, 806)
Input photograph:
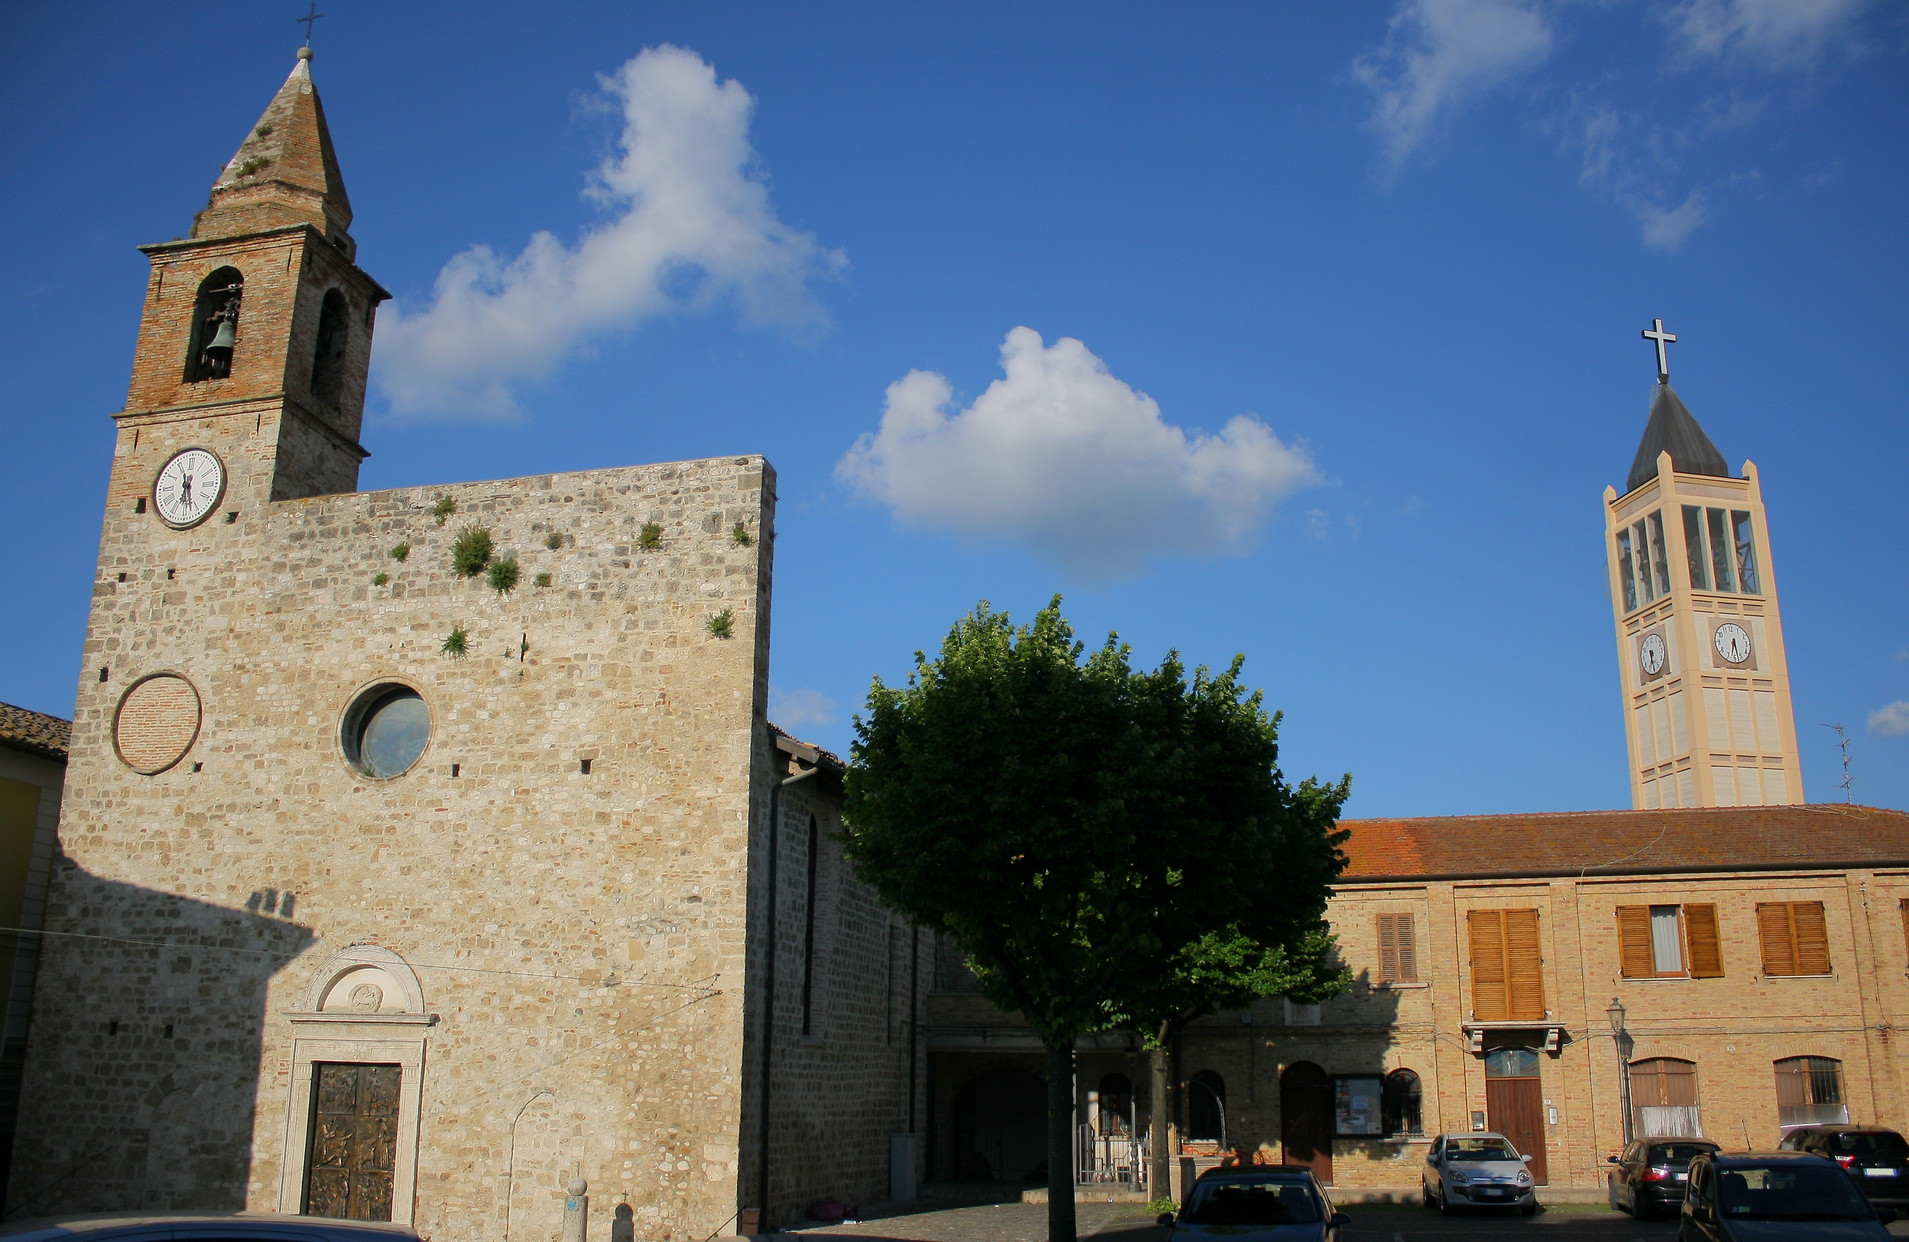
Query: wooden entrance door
point(1516, 1109)
point(1305, 1119)
point(354, 1141)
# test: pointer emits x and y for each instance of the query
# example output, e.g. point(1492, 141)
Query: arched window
point(1664, 1098)
point(1206, 1108)
point(1810, 1090)
point(215, 324)
point(1399, 1098)
point(328, 362)
point(1115, 1105)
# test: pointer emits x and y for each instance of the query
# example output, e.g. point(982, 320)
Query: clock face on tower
point(188, 487)
point(1733, 643)
point(1652, 653)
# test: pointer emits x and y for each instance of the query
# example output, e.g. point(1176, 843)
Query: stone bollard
point(576, 1211)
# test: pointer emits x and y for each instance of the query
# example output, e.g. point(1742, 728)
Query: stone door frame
point(375, 1042)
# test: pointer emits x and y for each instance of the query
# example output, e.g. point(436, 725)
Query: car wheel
point(1444, 1206)
point(1424, 1194)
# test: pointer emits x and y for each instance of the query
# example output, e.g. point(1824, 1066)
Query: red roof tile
point(34, 733)
point(1627, 842)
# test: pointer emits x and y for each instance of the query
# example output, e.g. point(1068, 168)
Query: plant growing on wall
point(553, 540)
point(503, 574)
point(722, 624)
point(542, 580)
point(456, 643)
point(400, 550)
point(650, 538)
point(444, 508)
point(380, 579)
point(472, 551)
point(741, 535)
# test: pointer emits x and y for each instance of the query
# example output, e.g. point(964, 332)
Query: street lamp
point(1625, 1045)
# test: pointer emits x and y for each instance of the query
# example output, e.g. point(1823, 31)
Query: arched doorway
point(1305, 1119)
point(1206, 1108)
point(1000, 1128)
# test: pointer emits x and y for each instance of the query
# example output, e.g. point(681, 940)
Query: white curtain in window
point(1668, 1121)
point(1666, 945)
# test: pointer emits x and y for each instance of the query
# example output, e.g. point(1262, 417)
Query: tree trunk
point(1060, 1144)
point(1159, 1157)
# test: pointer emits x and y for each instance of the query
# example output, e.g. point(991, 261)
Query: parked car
point(1776, 1196)
point(1256, 1205)
point(199, 1227)
point(1476, 1169)
point(1877, 1158)
point(1649, 1176)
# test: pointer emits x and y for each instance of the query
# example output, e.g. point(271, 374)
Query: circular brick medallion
point(157, 722)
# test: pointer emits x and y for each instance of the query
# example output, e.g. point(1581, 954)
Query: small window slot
point(583, 766)
point(139, 506)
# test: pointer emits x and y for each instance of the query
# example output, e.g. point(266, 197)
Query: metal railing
point(1118, 1158)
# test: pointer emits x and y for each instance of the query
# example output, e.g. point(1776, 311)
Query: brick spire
point(285, 171)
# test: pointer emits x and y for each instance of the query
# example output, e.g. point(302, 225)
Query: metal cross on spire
point(311, 15)
point(1656, 333)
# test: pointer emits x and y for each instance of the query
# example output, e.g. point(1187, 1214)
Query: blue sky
point(1308, 332)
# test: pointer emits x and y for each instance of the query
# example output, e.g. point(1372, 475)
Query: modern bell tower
point(1705, 679)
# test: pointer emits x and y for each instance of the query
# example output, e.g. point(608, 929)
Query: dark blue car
point(1776, 1196)
point(1256, 1205)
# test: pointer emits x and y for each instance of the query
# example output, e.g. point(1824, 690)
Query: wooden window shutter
point(1904, 903)
point(1633, 942)
point(1812, 937)
point(1408, 948)
point(1491, 1001)
point(1705, 946)
point(1779, 942)
point(1524, 963)
point(1388, 948)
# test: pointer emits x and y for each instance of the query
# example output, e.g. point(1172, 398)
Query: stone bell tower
point(1705, 679)
point(256, 336)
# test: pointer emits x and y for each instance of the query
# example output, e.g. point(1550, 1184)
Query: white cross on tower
point(1656, 333)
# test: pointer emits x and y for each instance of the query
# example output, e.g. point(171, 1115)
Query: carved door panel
point(354, 1141)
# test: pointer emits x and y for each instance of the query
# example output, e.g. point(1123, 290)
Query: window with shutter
point(1795, 939)
point(1904, 905)
point(1633, 942)
point(1490, 1000)
point(1706, 947)
point(1398, 955)
point(1524, 962)
point(1507, 966)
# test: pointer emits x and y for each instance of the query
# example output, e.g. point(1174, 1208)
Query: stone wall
point(578, 938)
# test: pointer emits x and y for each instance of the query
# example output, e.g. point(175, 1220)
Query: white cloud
point(1611, 162)
point(1779, 33)
point(1890, 721)
point(693, 226)
point(1067, 460)
point(1439, 55)
point(793, 709)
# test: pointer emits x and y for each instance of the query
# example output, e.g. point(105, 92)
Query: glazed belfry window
point(1643, 561)
point(1721, 547)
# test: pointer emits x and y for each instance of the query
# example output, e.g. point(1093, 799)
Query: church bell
point(219, 352)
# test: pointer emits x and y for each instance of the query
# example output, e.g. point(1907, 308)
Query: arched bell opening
point(215, 325)
point(328, 361)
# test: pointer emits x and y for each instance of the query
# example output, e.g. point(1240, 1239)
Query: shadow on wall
point(142, 1060)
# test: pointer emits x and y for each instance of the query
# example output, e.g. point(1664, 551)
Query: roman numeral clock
point(188, 488)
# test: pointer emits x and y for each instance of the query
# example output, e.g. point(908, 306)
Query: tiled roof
point(808, 752)
point(34, 733)
point(1757, 838)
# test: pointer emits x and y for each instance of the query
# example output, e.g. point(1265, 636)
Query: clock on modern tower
point(1705, 680)
point(188, 487)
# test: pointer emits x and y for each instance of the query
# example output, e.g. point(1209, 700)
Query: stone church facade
point(417, 847)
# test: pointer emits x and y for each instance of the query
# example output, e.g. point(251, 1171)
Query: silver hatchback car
point(199, 1227)
point(1476, 1169)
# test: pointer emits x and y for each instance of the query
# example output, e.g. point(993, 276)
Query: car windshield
point(1886, 1145)
point(1261, 1201)
point(1479, 1149)
point(1678, 1154)
point(1789, 1192)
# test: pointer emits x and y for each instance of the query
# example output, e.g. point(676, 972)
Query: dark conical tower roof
point(1672, 429)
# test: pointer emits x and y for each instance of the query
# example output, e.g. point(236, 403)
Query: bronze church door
point(1514, 1101)
point(354, 1141)
point(1305, 1119)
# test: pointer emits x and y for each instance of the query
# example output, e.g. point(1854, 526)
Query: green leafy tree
point(1095, 840)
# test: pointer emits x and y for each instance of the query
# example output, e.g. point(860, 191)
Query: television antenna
point(1842, 740)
